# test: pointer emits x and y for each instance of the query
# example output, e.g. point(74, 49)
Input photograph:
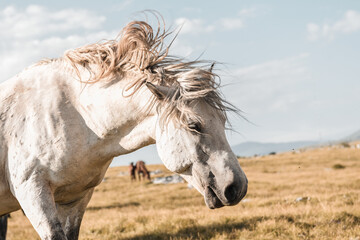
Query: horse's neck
point(117, 120)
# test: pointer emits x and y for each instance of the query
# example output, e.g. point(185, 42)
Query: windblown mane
point(141, 52)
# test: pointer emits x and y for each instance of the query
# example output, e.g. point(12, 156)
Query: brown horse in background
point(141, 170)
point(3, 226)
point(132, 169)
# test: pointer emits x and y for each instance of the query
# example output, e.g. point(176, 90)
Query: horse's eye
point(195, 127)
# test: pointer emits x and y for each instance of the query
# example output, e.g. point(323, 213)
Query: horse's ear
point(161, 92)
point(212, 67)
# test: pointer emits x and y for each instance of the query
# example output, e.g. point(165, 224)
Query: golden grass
point(330, 208)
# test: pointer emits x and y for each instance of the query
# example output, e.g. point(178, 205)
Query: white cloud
point(197, 25)
point(313, 31)
point(237, 22)
point(274, 96)
point(269, 86)
point(275, 68)
point(20, 54)
point(180, 48)
point(231, 23)
point(194, 26)
point(31, 34)
point(124, 4)
point(37, 21)
point(247, 12)
point(348, 24)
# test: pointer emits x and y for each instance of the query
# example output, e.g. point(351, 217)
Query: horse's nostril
point(231, 192)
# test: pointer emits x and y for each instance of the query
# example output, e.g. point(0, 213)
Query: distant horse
point(3, 226)
point(132, 169)
point(64, 120)
point(141, 170)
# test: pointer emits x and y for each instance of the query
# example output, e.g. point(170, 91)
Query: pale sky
point(293, 67)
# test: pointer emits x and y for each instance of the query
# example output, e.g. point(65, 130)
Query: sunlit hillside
point(310, 194)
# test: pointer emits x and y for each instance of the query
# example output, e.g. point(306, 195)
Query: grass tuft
point(338, 166)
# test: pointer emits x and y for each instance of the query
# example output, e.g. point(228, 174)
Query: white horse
point(64, 120)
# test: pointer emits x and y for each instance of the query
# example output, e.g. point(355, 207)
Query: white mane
point(141, 51)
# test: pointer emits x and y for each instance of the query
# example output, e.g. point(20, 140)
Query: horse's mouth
point(211, 200)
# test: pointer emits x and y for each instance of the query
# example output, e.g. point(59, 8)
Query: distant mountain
point(150, 156)
point(248, 149)
point(353, 137)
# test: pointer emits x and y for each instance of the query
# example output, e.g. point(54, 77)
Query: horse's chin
point(211, 200)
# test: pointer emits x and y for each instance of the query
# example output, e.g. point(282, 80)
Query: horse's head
point(191, 141)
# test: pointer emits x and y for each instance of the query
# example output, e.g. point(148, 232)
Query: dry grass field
point(327, 179)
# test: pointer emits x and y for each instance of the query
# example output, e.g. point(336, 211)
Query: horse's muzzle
point(232, 195)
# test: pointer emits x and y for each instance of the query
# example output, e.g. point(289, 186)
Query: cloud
point(20, 54)
point(180, 48)
point(313, 31)
point(248, 12)
point(238, 21)
point(35, 32)
point(198, 25)
point(275, 97)
point(270, 86)
point(348, 24)
point(194, 26)
point(275, 68)
point(124, 4)
point(232, 23)
point(37, 21)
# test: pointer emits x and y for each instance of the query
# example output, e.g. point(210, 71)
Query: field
point(312, 194)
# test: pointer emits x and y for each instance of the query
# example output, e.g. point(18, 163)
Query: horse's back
point(25, 102)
